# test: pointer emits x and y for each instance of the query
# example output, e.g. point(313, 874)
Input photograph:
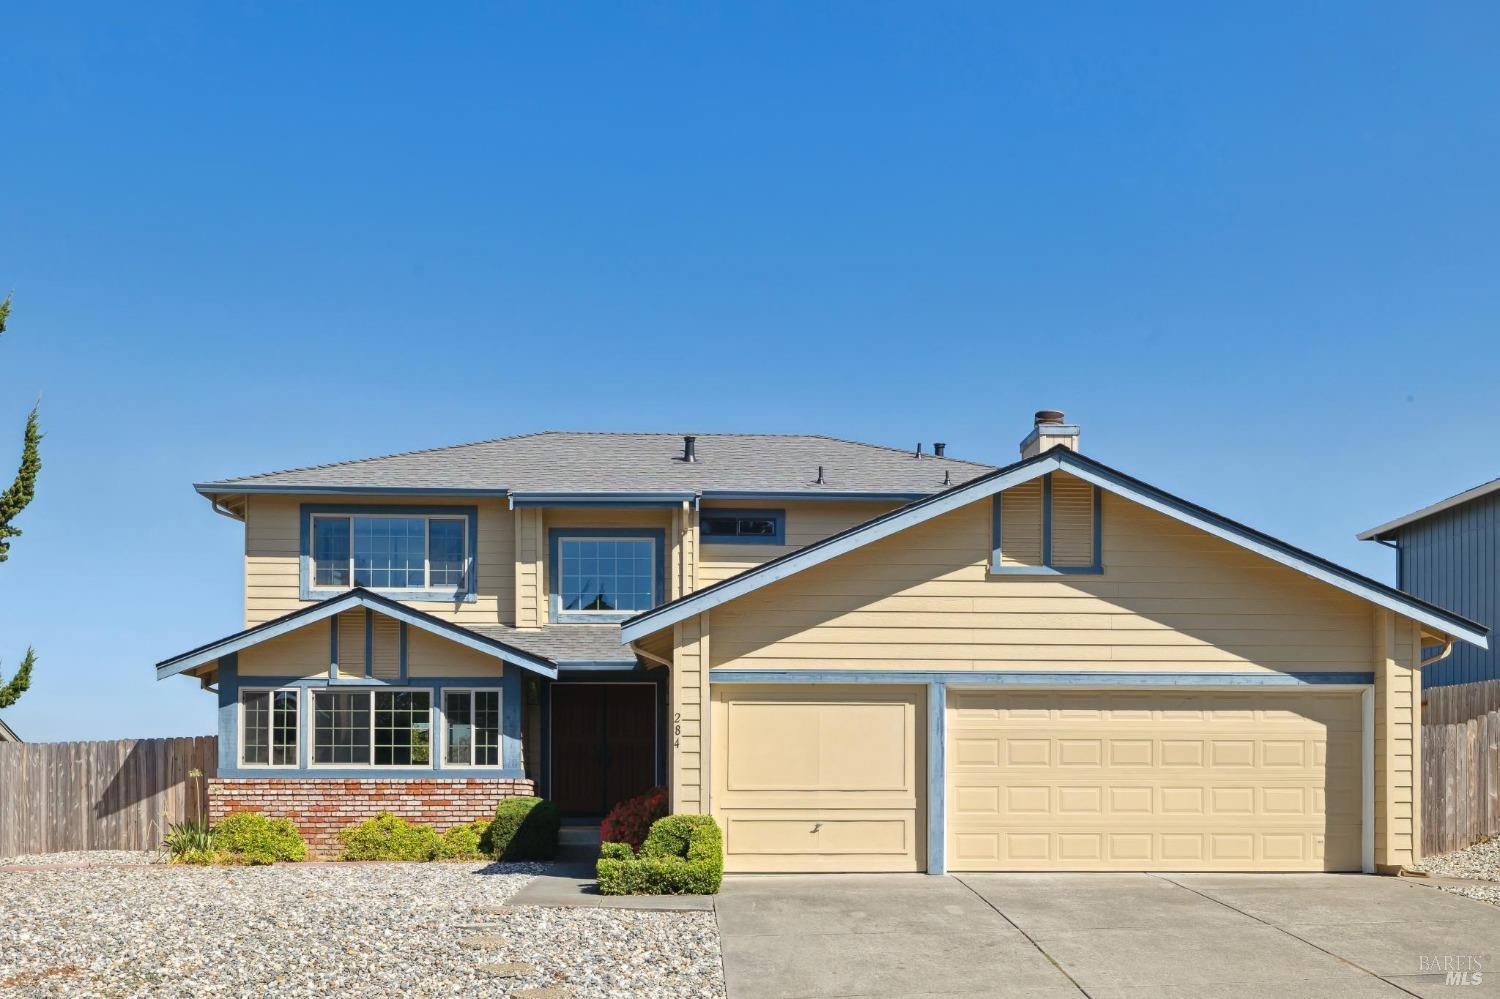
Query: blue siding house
point(1449, 554)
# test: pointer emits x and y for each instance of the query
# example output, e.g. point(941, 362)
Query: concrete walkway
point(1107, 936)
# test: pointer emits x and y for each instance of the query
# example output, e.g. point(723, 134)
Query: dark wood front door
point(603, 744)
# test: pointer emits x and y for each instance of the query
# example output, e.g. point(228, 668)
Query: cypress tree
point(12, 502)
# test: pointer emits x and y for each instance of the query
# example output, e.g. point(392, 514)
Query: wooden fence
point(1460, 765)
point(57, 796)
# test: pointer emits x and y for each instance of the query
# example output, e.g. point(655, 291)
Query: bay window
point(473, 728)
point(268, 728)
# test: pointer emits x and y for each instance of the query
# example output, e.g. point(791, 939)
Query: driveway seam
point(1284, 930)
point(1029, 938)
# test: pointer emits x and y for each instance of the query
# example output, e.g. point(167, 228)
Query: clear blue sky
point(1253, 253)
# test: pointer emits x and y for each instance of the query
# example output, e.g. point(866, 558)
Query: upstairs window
point(1047, 526)
point(743, 527)
point(390, 552)
point(605, 575)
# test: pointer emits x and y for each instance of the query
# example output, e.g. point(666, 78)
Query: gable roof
point(1057, 459)
point(357, 597)
point(569, 463)
point(8, 734)
point(1391, 526)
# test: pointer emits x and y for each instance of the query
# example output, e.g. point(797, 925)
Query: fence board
point(1460, 766)
point(63, 796)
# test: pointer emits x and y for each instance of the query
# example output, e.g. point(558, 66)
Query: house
point(7, 734)
point(857, 659)
point(1449, 553)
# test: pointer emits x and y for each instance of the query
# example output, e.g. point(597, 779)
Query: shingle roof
point(565, 643)
point(588, 462)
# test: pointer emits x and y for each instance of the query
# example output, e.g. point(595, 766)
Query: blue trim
point(1047, 568)
point(242, 488)
point(977, 678)
point(334, 606)
point(402, 626)
point(333, 648)
point(556, 534)
point(832, 494)
point(937, 783)
point(568, 667)
point(471, 513)
point(544, 776)
point(369, 643)
point(230, 684)
point(778, 516)
point(587, 501)
point(995, 505)
point(1047, 520)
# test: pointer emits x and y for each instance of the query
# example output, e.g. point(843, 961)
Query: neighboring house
point(857, 659)
point(1449, 553)
point(7, 734)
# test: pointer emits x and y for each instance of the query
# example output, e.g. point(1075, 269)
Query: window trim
point(499, 763)
point(777, 515)
point(296, 693)
point(555, 536)
point(370, 691)
point(1046, 568)
point(466, 593)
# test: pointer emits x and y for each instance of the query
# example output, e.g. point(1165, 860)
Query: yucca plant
point(189, 836)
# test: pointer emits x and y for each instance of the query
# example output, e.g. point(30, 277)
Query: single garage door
point(1265, 781)
point(820, 778)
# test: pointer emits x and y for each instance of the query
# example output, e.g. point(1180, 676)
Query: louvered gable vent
point(1047, 525)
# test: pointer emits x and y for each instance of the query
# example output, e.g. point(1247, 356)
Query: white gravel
point(91, 858)
point(1482, 860)
point(345, 929)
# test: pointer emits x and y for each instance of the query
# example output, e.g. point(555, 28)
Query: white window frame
point(312, 732)
point(462, 586)
point(270, 727)
point(656, 571)
point(499, 763)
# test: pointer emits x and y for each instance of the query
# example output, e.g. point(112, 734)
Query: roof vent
point(939, 448)
point(918, 452)
point(820, 481)
point(1050, 431)
point(689, 447)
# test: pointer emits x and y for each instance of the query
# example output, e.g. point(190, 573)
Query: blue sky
point(1253, 252)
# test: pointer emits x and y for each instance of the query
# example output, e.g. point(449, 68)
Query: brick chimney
point(1049, 432)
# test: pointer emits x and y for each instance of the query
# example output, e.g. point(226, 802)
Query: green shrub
point(463, 842)
point(389, 837)
point(252, 838)
point(198, 858)
point(682, 855)
point(525, 829)
point(189, 836)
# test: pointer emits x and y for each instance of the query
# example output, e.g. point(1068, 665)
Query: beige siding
point(529, 582)
point(273, 562)
point(431, 655)
point(689, 697)
point(805, 524)
point(300, 653)
point(1398, 699)
point(1171, 597)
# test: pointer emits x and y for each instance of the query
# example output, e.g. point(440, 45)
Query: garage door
point(819, 778)
point(1153, 781)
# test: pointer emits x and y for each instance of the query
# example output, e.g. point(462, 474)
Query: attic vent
point(689, 447)
point(939, 448)
point(1047, 525)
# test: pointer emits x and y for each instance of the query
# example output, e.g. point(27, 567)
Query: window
point(605, 576)
point(390, 551)
point(389, 728)
point(473, 726)
point(743, 527)
point(1049, 525)
point(268, 728)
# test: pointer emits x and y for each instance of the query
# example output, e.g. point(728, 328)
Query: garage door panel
point(820, 777)
point(1164, 781)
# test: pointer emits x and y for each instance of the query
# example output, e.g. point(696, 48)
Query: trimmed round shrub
point(682, 855)
point(389, 837)
point(464, 842)
point(252, 838)
point(630, 820)
point(525, 829)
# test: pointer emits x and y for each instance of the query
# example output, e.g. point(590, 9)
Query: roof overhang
point(1056, 459)
point(349, 601)
point(8, 734)
point(1384, 531)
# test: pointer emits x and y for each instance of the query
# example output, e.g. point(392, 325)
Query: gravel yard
point(347, 929)
point(92, 858)
point(1480, 861)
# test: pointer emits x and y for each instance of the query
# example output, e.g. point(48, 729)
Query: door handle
point(817, 826)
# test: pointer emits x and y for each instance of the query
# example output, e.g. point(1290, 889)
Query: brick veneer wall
point(321, 806)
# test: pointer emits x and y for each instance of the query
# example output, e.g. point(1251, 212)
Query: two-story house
point(856, 658)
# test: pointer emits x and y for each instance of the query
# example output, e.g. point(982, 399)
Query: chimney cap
point(1050, 416)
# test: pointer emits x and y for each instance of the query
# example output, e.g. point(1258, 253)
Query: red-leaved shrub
point(630, 820)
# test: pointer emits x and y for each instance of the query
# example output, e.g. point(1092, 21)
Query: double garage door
point(829, 778)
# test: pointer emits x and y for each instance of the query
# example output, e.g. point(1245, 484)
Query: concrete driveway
point(1105, 936)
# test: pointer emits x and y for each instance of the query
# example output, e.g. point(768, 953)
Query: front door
point(603, 744)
